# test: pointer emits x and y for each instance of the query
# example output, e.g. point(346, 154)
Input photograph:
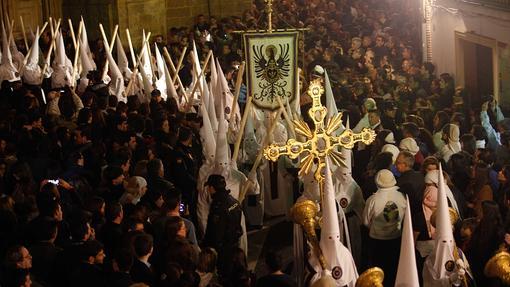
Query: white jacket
point(383, 213)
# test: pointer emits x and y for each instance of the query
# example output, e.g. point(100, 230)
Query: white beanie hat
point(410, 145)
point(391, 149)
point(432, 176)
point(389, 138)
point(385, 179)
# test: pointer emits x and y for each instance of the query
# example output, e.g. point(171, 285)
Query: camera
point(181, 208)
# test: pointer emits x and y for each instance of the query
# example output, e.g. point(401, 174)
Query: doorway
point(477, 67)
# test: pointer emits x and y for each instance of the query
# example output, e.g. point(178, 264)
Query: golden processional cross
point(321, 142)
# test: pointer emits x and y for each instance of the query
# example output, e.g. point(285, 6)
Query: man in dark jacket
point(89, 272)
point(224, 222)
point(410, 182)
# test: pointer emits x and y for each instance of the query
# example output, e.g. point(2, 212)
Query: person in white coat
point(383, 214)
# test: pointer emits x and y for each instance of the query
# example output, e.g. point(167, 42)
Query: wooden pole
point(237, 145)
point(76, 57)
point(71, 28)
point(131, 50)
point(48, 57)
point(256, 164)
point(24, 33)
point(110, 47)
point(135, 71)
point(237, 90)
point(190, 102)
point(169, 59)
point(179, 64)
point(286, 117)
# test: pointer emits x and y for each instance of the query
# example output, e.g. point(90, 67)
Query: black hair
point(113, 210)
point(124, 259)
point(274, 260)
point(143, 244)
point(90, 248)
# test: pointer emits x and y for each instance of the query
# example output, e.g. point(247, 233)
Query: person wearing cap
point(383, 215)
point(224, 222)
point(451, 136)
point(388, 117)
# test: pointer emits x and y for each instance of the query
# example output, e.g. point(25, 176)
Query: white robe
point(283, 202)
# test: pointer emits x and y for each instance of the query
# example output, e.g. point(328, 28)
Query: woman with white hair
point(135, 189)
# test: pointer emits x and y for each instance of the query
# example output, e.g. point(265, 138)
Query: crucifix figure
point(321, 142)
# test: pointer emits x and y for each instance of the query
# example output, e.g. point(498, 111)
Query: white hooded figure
point(161, 81)
point(349, 197)
point(7, 70)
point(17, 57)
point(87, 64)
point(276, 182)
point(209, 151)
point(235, 180)
point(446, 266)
point(211, 108)
point(122, 60)
point(339, 262)
point(407, 272)
point(32, 71)
point(254, 204)
point(228, 102)
point(62, 66)
point(116, 85)
point(146, 71)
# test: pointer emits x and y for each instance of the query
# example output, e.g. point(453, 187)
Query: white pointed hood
point(116, 85)
point(227, 95)
point(222, 157)
point(330, 99)
point(146, 70)
point(122, 60)
point(170, 88)
point(211, 108)
point(62, 66)
point(251, 145)
point(407, 273)
point(32, 71)
point(17, 57)
point(196, 67)
point(161, 82)
point(86, 63)
point(146, 67)
point(208, 138)
point(214, 75)
point(338, 258)
point(84, 45)
point(444, 245)
point(311, 189)
point(7, 70)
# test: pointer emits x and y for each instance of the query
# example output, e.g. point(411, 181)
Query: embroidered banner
point(271, 67)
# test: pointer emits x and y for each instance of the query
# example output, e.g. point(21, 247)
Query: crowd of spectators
point(97, 192)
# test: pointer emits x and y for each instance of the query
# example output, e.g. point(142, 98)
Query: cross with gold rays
point(321, 142)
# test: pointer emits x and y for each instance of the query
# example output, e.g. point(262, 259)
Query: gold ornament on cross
point(321, 142)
